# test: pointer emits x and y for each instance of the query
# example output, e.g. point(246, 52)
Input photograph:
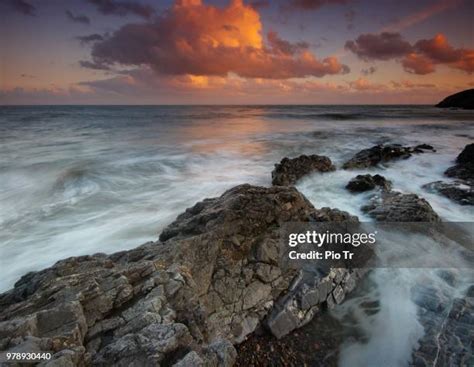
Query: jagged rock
point(209, 282)
point(464, 99)
point(449, 329)
point(397, 207)
point(288, 171)
point(464, 169)
point(192, 359)
point(458, 191)
point(309, 293)
point(368, 182)
point(383, 153)
point(224, 351)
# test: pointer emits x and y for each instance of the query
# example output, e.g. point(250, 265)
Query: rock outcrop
point(184, 300)
point(383, 153)
point(288, 171)
point(310, 293)
point(449, 328)
point(397, 207)
point(464, 168)
point(458, 191)
point(462, 189)
point(464, 99)
point(368, 182)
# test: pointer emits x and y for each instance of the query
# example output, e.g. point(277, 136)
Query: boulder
point(464, 168)
point(457, 191)
point(397, 207)
point(288, 171)
point(311, 292)
point(464, 99)
point(383, 153)
point(206, 284)
point(368, 182)
point(467, 155)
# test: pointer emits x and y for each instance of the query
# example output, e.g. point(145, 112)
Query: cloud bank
point(198, 39)
point(418, 58)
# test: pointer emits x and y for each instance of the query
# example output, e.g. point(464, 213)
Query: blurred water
point(81, 180)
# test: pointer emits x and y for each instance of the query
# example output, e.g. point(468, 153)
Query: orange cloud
point(417, 64)
point(438, 50)
point(202, 40)
point(419, 58)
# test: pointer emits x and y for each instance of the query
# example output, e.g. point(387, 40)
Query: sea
point(78, 180)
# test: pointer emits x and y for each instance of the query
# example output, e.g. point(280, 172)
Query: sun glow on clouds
point(193, 38)
point(196, 49)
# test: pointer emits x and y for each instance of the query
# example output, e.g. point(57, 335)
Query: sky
point(235, 52)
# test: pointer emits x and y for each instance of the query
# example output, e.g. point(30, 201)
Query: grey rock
point(383, 153)
point(225, 352)
point(459, 192)
point(288, 171)
point(192, 359)
point(283, 321)
point(305, 299)
point(368, 182)
point(464, 168)
point(209, 282)
point(215, 270)
point(398, 207)
point(338, 294)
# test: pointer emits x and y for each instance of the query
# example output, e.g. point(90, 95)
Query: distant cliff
point(464, 99)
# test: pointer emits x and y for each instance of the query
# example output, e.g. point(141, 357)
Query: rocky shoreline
point(209, 283)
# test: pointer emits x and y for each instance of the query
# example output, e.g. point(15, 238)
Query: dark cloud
point(90, 38)
point(122, 8)
point(27, 76)
point(314, 4)
point(369, 71)
point(285, 47)
point(77, 18)
point(420, 58)
point(22, 7)
point(438, 49)
point(93, 65)
point(417, 64)
point(204, 40)
point(383, 46)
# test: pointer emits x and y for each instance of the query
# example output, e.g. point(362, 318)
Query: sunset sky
point(234, 52)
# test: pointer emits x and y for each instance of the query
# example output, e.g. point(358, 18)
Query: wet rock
point(464, 99)
point(449, 331)
point(288, 171)
point(208, 283)
point(397, 207)
point(463, 172)
point(192, 359)
point(368, 182)
point(383, 153)
point(457, 191)
point(464, 168)
point(311, 292)
point(462, 189)
point(467, 155)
